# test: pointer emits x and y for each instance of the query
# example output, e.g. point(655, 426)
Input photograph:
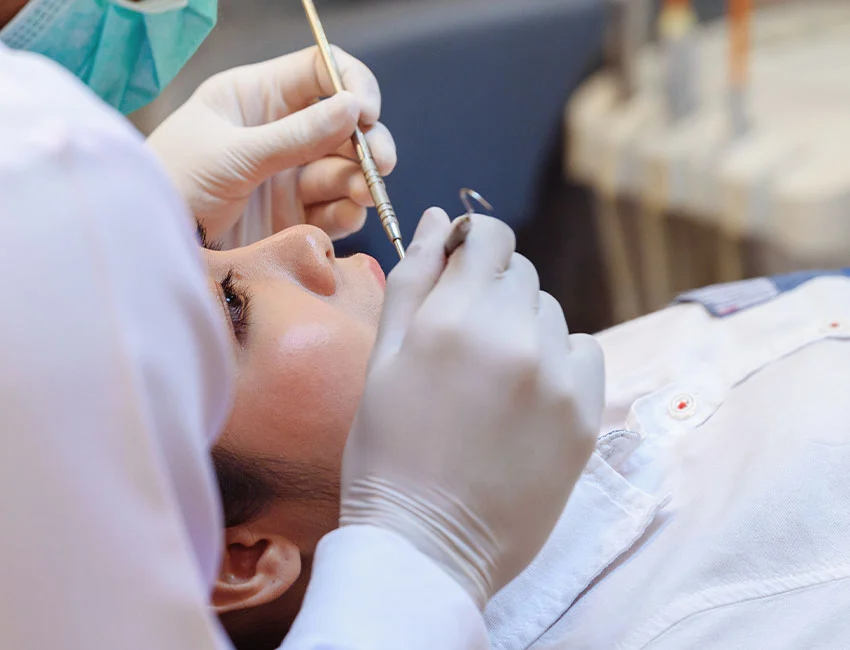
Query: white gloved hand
point(479, 411)
point(252, 143)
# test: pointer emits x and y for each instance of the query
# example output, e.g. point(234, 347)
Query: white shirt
point(716, 514)
point(114, 385)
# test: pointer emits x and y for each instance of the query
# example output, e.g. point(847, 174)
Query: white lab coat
point(114, 385)
point(716, 511)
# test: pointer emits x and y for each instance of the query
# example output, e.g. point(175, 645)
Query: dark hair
point(250, 484)
point(246, 490)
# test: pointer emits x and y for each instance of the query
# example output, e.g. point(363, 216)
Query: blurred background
point(639, 148)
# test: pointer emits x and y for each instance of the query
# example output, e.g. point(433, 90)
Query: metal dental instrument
point(466, 194)
point(460, 229)
point(377, 188)
point(462, 225)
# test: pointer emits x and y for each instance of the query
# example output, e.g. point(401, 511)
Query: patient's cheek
point(301, 393)
point(319, 370)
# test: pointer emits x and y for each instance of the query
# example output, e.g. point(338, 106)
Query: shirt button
point(682, 406)
point(834, 327)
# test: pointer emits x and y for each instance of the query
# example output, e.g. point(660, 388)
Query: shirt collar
point(604, 517)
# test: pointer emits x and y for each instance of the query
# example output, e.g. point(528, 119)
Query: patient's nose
point(305, 253)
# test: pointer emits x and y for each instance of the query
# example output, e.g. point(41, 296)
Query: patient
point(303, 323)
point(713, 514)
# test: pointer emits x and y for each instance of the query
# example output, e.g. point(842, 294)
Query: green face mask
point(126, 51)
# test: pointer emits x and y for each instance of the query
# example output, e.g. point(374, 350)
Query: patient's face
point(303, 325)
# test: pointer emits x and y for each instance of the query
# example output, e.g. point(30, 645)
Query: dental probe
point(377, 188)
point(460, 229)
point(463, 224)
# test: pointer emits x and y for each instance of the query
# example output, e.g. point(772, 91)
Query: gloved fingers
point(309, 134)
point(586, 353)
point(294, 81)
point(571, 367)
point(381, 144)
point(505, 315)
point(486, 253)
point(583, 376)
point(337, 218)
point(332, 178)
point(472, 268)
point(412, 280)
point(554, 343)
point(357, 79)
point(336, 177)
point(519, 283)
point(554, 332)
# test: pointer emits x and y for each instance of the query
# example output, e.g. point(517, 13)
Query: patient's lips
point(375, 268)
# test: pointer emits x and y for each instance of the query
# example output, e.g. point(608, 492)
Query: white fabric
point(716, 515)
point(114, 383)
point(364, 576)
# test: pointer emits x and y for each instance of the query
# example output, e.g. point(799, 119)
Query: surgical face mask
point(126, 51)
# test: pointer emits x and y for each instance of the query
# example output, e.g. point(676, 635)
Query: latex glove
point(479, 411)
point(252, 143)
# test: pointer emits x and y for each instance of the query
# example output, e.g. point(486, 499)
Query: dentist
point(117, 373)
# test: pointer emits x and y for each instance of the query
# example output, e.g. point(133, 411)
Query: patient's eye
point(238, 304)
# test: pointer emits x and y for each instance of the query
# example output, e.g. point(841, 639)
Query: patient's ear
point(256, 570)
